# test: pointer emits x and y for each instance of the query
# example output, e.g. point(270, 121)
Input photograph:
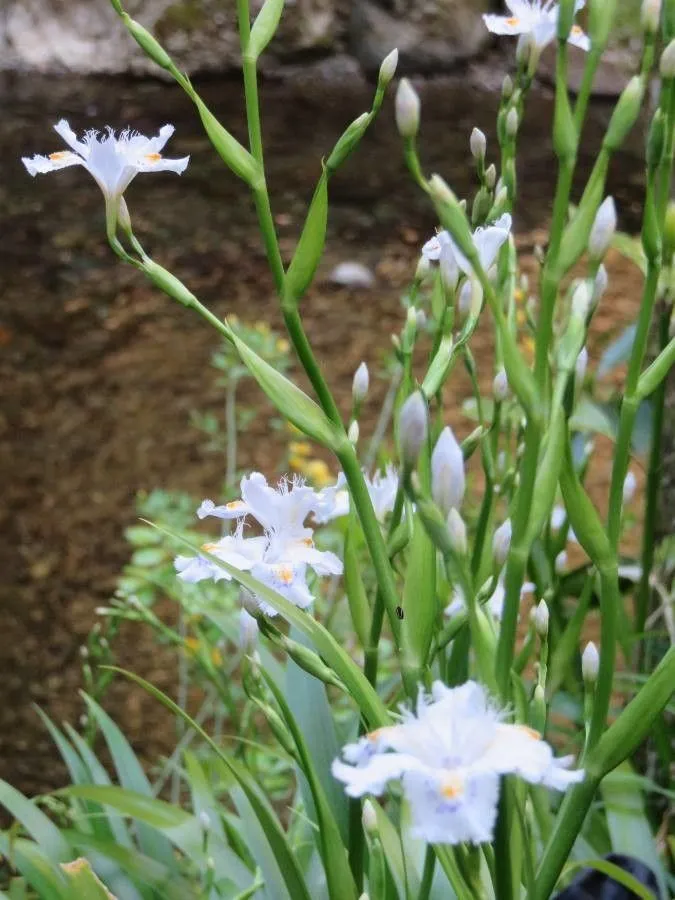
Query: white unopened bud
point(560, 564)
point(449, 269)
point(478, 144)
point(411, 317)
point(629, 487)
point(448, 480)
point(360, 383)
point(599, 285)
point(464, 302)
point(353, 433)
point(667, 64)
point(420, 319)
point(407, 108)
point(412, 423)
point(581, 300)
point(650, 15)
point(248, 631)
point(457, 532)
point(590, 663)
point(423, 269)
point(540, 619)
point(512, 122)
point(501, 542)
point(524, 49)
point(500, 386)
point(369, 817)
point(388, 68)
point(603, 229)
point(580, 366)
point(491, 176)
point(507, 87)
point(205, 820)
point(501, 196)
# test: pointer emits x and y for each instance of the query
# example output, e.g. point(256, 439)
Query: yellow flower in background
point(192, 644)
point(300, 448)
point(318, 472)
point(297, 463)
point(216, 657)
point(282, 345)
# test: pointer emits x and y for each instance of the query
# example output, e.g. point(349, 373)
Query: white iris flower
point(112, 160)
point(488, 242)
point(537, 18)
point(334, 500)
point(448, 757)
point(280, 557)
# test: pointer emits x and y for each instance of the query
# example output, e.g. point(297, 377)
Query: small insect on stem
point(399, 612)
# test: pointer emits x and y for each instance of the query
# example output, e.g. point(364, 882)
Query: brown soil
point(100, 372)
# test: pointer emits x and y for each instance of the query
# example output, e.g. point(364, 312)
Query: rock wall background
point(86, 36)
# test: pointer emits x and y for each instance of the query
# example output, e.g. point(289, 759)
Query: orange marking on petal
point(284, 574)
point(55, 157)
point(234, 504)
point(153, 157)
point(576, 30)
point(513, 21)
point(209, 547)
point(530, 732)
point(308, 542)
point(452, 787)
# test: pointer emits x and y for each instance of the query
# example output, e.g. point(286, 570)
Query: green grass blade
point(292, 876)
point(614, 872)
point(39, 827)
point(131, 776)
point(38, 869)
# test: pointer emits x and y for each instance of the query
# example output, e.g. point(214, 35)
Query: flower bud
point(599, 286)
point(501, 196)
point(629, 487)
point(457, 532)
point(603, 229)
point(388, 68)
point(448, 480)
point(667, 64)
point(524, 49)
point(353, 433)
point(407, 109)
point(560, 563)
point(625, 113)
point(490, 176)
point(650, 15)
point(590, 663)
point(465, 296)
point(581, 365)
point(449, 269)
point(360, 383)
point(500, 386)
point(205, 820)
point(422, 270)
point(512, 122)
point(369, 817)
point(478, 144)
point(507, 87)
point(412, 426)
point(581, 300)
point(501, 543)
point(248, 632)
point(540, 619)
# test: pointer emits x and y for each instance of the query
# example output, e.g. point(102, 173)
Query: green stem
point(629, 406)
point(427, 873)
point(652, 492)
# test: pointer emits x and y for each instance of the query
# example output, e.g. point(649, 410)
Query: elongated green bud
point(348, 141)
point(439, 368)
point(565, 136)
point(387, 69)
point(650, 15)
point(656, 139)
point(667, 62)
point(147, 42)
point(233, 154)
point(625, 113)
point(167, 282)
point(600, 21)
point(669, 232)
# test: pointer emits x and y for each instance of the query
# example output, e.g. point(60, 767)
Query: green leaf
point(631, 248)
point(36, 823)
point(291, 402)
point(310, 246)
point(84, 883)
point(590, 417)
point(131, 776)
point(617, 352)
point(628, 823)
point(372, 709)
point(264, 27)
point(439, 369)
point(38, 869)
point(393, 852)
point(292, 877)
point(333, 853)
